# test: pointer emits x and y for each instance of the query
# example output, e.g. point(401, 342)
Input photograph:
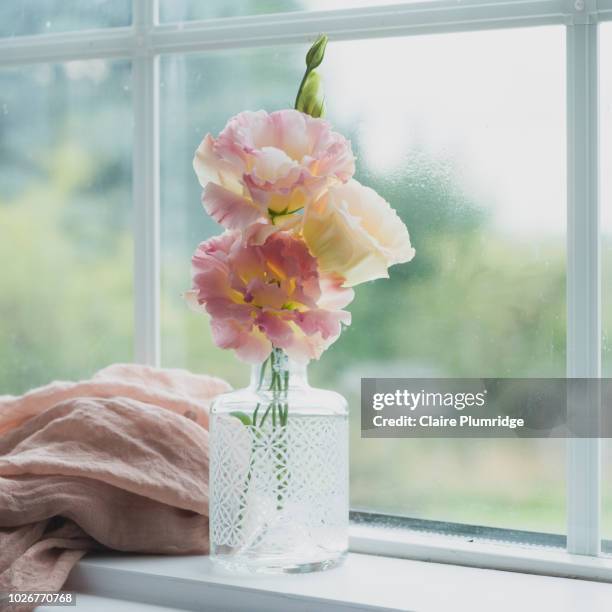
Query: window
point(606, 254)
point(65, 218)
point(482, 224)
point(189, 10)
point(26, 17)
point(463, 130)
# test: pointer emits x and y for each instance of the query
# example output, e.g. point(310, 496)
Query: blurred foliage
point(65, 206)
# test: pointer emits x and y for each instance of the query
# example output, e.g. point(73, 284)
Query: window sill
point(478, 553)
point(364, 582)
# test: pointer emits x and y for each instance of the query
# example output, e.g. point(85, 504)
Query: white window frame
point(145, 40)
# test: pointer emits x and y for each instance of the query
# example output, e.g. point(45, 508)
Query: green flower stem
point(277, 411)
point(279, 385)
point(283, 475)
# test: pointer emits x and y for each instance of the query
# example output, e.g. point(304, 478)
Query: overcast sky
point(491, 105)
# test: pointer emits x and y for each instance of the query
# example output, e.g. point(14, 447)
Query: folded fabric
point(103, 472)
point(172, 389)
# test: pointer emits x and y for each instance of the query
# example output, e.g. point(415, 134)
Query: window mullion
point(583, 278)
point(146, 188)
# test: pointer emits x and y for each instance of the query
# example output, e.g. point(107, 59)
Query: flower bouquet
point(300, 233)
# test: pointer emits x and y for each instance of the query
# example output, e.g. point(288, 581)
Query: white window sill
point(478, 553)
point(364, 582)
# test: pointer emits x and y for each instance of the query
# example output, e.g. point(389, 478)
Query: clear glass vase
point(279, 473)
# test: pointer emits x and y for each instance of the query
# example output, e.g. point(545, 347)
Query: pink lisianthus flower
point(263, 166)
point(267, 295)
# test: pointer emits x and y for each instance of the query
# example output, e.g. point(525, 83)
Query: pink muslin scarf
point(119, 461)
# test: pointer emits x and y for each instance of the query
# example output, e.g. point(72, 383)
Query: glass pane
point(468, 143)
point(65, 205)
point(605, 50)
point(187, 10)
point(23, 17)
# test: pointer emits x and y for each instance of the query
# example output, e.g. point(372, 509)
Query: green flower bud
point(310, 99)
point(315, 54)
point(317, 110)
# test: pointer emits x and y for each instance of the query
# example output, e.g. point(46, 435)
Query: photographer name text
point(413, 401)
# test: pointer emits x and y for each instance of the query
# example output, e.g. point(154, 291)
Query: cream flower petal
point(354, 233)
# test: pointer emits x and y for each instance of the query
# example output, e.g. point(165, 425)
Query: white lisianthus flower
point(353, 232)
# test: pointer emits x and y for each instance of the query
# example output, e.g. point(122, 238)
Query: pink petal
point(223, 308)
point(273, 166)
point(211, 284)
point(250, 344)
point(214, 251)
point(333, 295)
point(191, 297)
point(210, 167)
point(278, 331)
point(325, 322)
point(229, 209)
point(291, 131)
point(303, 348)
point(266, 294)
point(258, 233)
